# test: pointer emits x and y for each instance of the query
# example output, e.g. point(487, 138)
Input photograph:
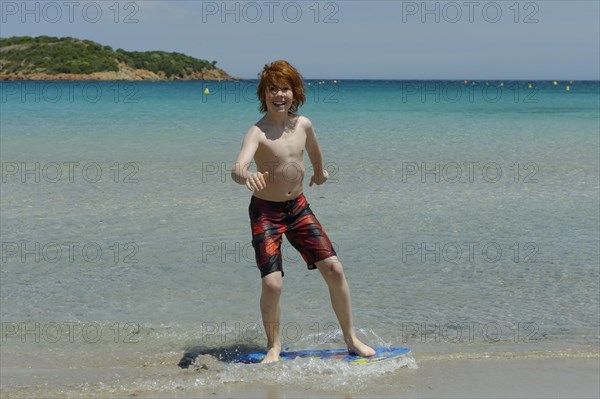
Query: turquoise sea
point(466, 215)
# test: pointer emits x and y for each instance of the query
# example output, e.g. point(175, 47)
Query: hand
point(318, 180)
point(257, 181)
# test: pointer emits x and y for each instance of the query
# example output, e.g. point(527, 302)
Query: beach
point(467, 226)
point(500, 375)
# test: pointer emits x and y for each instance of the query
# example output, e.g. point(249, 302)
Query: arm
point(239, 173)
point(314, 153)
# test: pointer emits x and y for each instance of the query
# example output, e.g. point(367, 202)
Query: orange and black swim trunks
point(271, 219)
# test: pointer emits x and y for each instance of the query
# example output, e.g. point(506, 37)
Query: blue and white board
point(329, 354)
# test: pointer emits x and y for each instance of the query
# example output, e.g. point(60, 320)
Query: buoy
point(555, 83)
point(334, 81)
point(570, 82)
point(206, 91)
point(568, 88)
point(309, 83)
point(501, 84)
point(466, 81)
point(529, 86)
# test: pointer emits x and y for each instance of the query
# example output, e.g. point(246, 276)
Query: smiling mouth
point(279, 103)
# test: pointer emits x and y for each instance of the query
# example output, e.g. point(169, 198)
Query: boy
point(277, 143)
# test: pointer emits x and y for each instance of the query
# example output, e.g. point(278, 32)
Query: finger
point(248, 185)
point(265, 177)
point(257, 184)
point(252, 181)
point(261, 182)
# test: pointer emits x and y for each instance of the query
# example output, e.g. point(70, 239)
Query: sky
point(466, 39)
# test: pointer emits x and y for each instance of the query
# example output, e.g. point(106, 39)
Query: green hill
point(26, 55)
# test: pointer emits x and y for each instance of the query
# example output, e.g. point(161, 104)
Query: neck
point(277, 118)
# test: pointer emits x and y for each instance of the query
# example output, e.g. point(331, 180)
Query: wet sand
point(492, 377)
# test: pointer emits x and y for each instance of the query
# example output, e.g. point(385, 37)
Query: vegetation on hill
point(172, 64)
point(52, 55)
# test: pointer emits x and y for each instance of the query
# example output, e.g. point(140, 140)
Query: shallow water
point(464, 226)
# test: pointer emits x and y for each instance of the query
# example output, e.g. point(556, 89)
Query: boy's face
point(279, 98)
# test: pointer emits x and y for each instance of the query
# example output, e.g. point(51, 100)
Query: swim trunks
point(271, 219)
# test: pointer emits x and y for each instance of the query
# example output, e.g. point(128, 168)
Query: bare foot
point(355, 346)
point(272, 355)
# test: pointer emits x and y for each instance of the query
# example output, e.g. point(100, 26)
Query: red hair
point(281, 73)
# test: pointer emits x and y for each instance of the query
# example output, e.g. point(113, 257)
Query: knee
point(272, 286)
point(334, 270)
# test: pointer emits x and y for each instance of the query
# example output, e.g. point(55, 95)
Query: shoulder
point(255, 132)
point(304, 122)
point(258, 128)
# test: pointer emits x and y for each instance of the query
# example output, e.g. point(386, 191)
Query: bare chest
point(289, 146)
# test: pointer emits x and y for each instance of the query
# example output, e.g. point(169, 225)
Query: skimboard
point(328, 354)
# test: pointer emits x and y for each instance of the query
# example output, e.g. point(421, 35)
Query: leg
point(333, 273)
point(269, 307)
